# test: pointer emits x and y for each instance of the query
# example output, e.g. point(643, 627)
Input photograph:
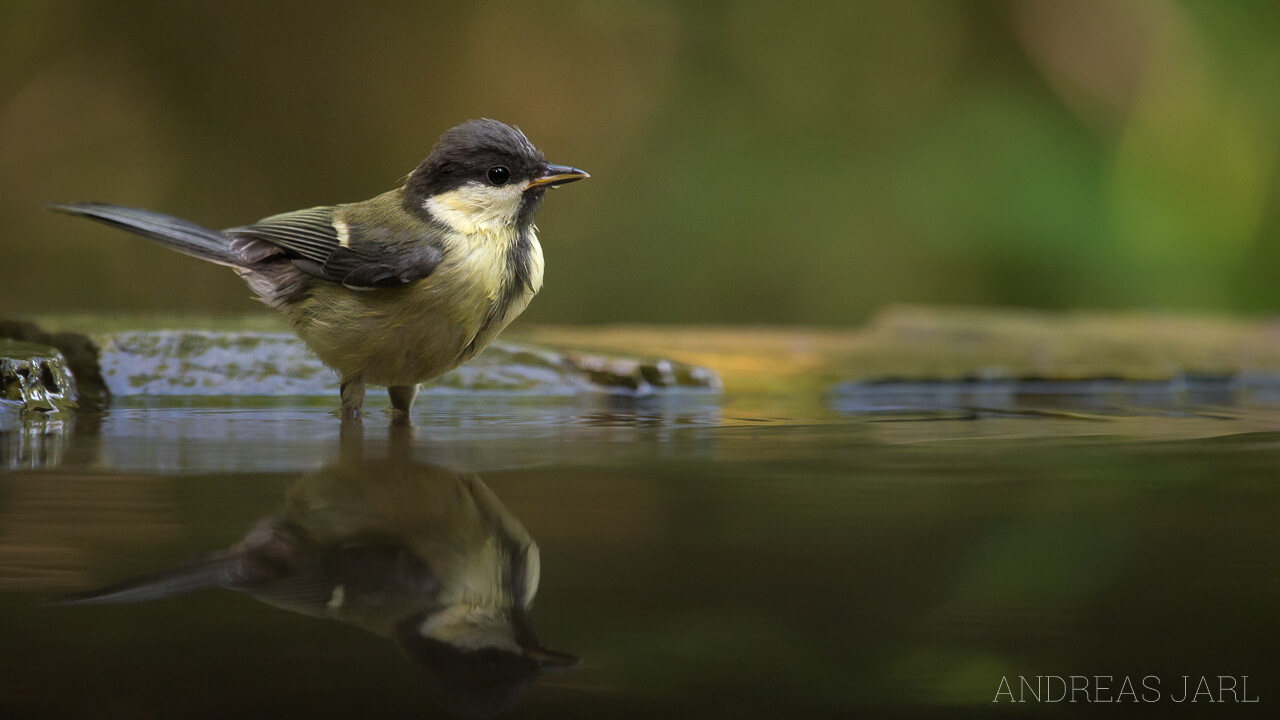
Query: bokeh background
point(752, 162)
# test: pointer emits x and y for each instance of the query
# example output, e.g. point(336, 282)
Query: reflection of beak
point(556, 175)
point(550, 659)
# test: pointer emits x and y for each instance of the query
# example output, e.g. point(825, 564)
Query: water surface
point(743, 557)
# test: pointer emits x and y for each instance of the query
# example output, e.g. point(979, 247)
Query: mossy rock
point(274, 364)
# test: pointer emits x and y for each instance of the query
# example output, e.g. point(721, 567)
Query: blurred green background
point(752, 162)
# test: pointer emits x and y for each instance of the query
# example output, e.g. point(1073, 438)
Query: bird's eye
point(499, 175)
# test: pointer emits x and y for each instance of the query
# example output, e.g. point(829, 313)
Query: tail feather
point(175, 233)
point(208, 572)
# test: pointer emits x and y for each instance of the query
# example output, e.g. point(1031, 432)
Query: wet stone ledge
point(34, 378)
point(190, 362)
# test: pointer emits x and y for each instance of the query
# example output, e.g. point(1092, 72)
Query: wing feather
point(358, 257)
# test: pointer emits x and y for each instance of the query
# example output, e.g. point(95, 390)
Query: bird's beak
point(550, 659)
point(556, 175)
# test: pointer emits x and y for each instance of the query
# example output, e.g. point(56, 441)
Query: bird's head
point(485, 176)
point(478, 661)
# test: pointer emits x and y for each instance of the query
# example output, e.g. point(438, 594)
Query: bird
point(424, 555)
point(401, 288)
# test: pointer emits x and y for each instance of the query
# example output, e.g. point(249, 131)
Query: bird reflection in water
point(423, 555)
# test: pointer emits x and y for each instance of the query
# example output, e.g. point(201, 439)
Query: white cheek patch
point(470, 628)
point(477, 208)
point(532, 576)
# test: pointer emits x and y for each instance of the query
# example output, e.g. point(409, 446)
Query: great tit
point(401, 288)
point(423, 555)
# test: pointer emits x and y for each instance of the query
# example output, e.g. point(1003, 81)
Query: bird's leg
point(400, 434)
point(351, 440)
point(352, 390)
point(402, 397)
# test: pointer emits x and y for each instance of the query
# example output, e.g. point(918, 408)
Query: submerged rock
point(33, 440)
point(983, 344)
point(189, 362)
point(977, 361)
point(34, 378)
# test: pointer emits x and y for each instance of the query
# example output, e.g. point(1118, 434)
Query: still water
point(741, 557)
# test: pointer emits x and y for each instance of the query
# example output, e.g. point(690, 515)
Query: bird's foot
point(352, 391)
